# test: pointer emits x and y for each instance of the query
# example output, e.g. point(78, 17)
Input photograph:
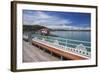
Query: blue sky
point(53, 18)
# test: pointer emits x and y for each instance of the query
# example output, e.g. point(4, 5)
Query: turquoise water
point(75, 35)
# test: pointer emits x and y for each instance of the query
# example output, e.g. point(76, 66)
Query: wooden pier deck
point(34, 54)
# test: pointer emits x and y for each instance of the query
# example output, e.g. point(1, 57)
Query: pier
point(32, 53)
point(59, 47)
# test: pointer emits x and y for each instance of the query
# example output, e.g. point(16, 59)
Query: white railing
point(79, 48)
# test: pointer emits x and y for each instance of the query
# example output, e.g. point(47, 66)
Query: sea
point(74, 35)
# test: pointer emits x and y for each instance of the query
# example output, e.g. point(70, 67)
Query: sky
point(53, 19)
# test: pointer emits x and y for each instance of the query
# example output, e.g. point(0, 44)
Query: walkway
point(34, 54)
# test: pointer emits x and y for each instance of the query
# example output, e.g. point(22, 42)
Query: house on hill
point(44, 31)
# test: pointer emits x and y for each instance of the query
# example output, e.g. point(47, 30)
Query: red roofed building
point(44, 31)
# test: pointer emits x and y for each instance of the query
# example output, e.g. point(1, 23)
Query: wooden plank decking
point(34, 54)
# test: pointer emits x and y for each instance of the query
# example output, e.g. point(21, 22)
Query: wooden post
point(51, 53)
point(44, 49)
point(61, 57)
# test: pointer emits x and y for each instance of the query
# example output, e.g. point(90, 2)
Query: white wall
point(5, 37)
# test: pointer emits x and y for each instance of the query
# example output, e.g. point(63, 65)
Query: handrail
point(55, 41)
point(68, 40)
point(74, 50)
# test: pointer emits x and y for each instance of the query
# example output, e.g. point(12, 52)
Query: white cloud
point(43, 15)
point(44, 19)
point(50, 21)
point(68, 27)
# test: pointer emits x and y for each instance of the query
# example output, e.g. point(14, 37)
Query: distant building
point(44, 31)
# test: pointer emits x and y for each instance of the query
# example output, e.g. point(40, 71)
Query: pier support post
point(39, 47)
point(61, 57)
point(43, 49)
point(51, 53)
